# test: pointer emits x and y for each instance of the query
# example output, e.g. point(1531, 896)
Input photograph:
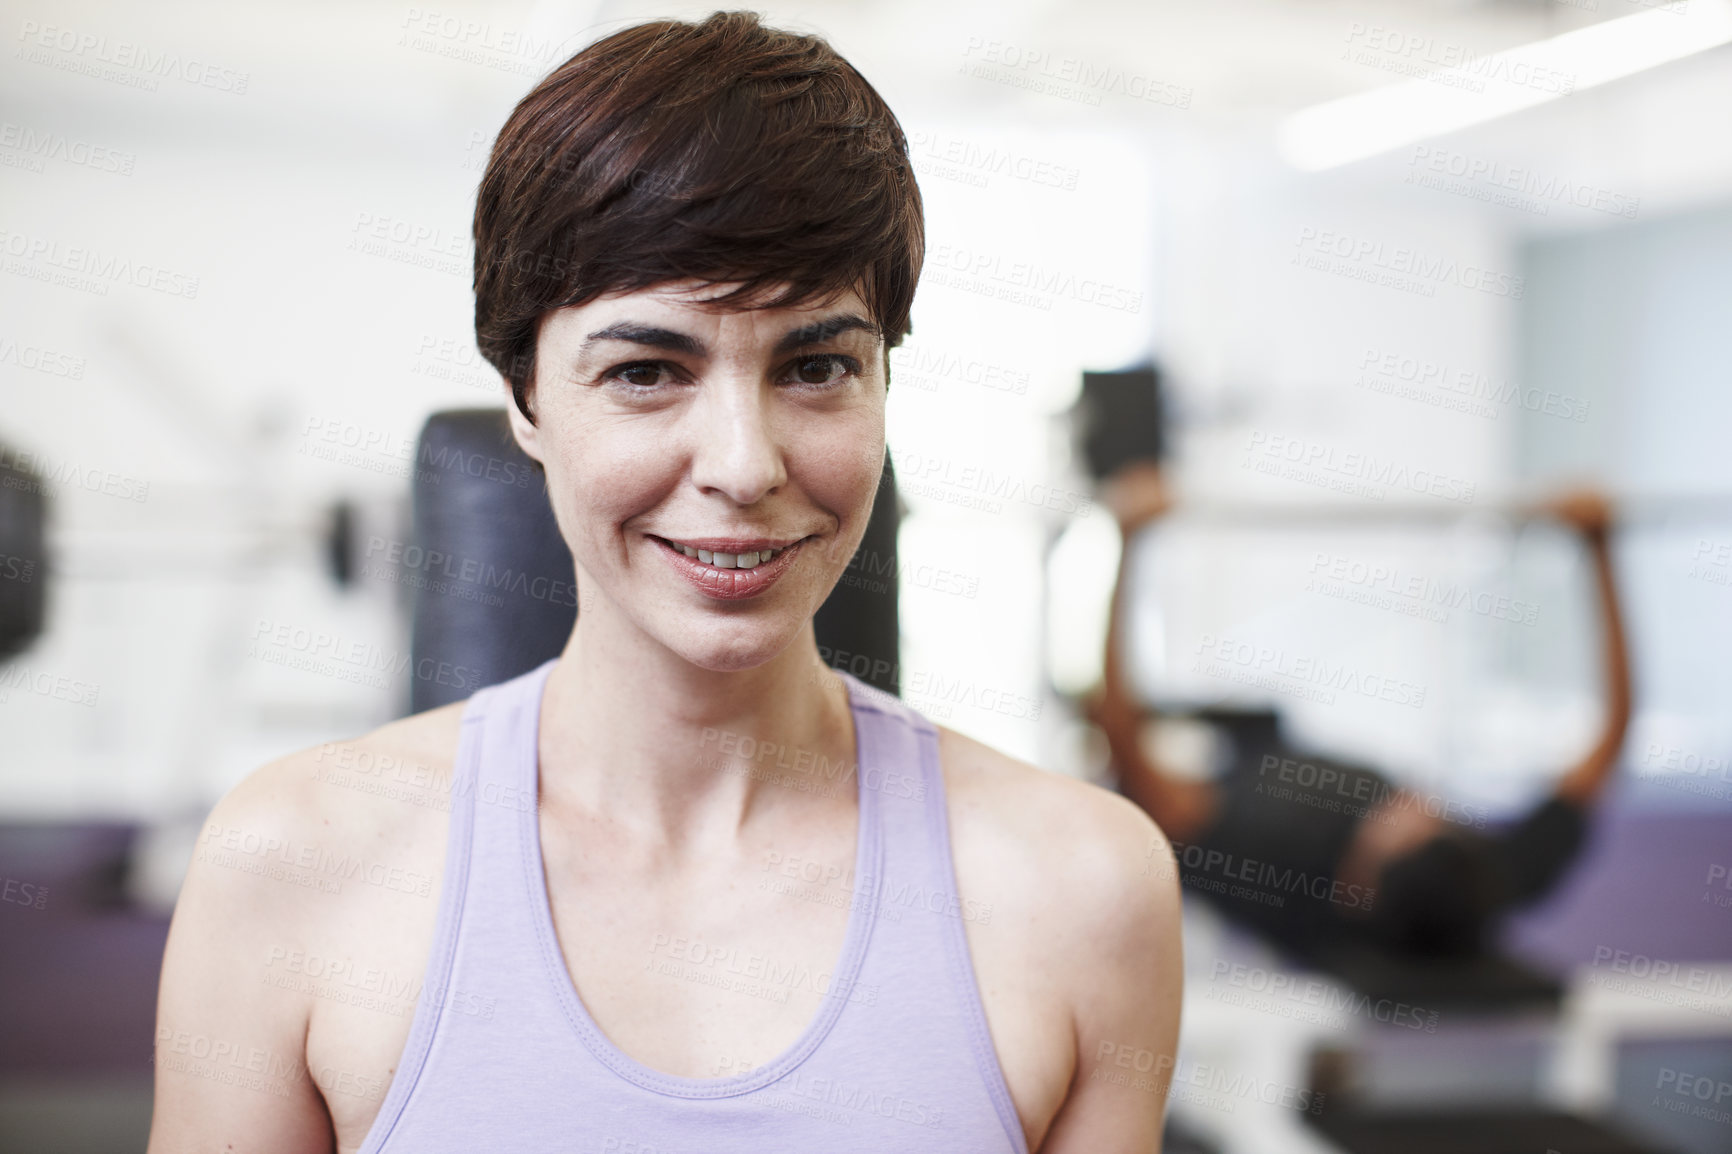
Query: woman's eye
point(644, 374)
point(820, 370)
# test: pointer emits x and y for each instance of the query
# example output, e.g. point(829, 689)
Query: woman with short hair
point(683, 888)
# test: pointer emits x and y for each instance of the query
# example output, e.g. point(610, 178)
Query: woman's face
point(665, 426)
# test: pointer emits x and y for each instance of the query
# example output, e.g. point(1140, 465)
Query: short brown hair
point(722, 150)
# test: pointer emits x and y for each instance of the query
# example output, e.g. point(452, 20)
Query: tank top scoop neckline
point(496, 961)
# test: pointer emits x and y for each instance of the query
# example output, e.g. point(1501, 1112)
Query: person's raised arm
point(1136, 495)
point(1590, 514)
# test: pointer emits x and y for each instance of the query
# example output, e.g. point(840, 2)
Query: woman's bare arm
point(1127, 1010)
point(231, 1069)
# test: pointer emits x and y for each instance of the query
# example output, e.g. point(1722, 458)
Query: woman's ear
point(526, 434)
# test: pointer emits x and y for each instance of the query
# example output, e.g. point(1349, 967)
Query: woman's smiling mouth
point(730, 553)
point(730, 568)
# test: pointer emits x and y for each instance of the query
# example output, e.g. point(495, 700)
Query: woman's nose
point(735, 450)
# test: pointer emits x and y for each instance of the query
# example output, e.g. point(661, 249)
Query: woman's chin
point(734, 649)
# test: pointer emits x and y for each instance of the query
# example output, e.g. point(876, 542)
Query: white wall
point(1636, 318)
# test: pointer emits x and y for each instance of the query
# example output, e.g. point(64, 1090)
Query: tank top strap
point(479, 895)
point(922, 915)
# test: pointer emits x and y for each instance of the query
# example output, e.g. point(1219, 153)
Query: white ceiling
point(334, 78)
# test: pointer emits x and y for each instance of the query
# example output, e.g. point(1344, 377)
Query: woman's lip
point(730, 584)
point(730, 544)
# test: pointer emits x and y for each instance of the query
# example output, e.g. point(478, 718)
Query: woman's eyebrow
point(653, 336)
point(820, 331)
point(650, 335)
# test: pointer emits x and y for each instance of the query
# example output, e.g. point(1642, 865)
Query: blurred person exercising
point(582, 911)
point(1335, 851)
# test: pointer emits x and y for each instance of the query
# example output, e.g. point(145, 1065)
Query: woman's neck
point(634, 732)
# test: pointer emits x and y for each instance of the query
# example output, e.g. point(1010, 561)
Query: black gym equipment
point(23, 569)
point(1473, 1131)
point(1118, 419)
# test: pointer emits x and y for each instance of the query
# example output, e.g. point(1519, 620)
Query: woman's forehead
point(694, 295)
point(691, 308)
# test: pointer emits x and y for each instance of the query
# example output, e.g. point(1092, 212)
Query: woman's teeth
point(730, 560)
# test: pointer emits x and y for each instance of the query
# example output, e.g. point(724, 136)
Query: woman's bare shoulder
point(307, 817)
point(1038, 804)
point(401, 769)
point(1069, 852)
point(1075, 934)
point(330, 854)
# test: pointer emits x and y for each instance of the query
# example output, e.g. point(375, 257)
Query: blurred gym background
point(1400, 265)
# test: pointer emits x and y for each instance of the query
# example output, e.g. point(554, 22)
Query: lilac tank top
point(503, 1054)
